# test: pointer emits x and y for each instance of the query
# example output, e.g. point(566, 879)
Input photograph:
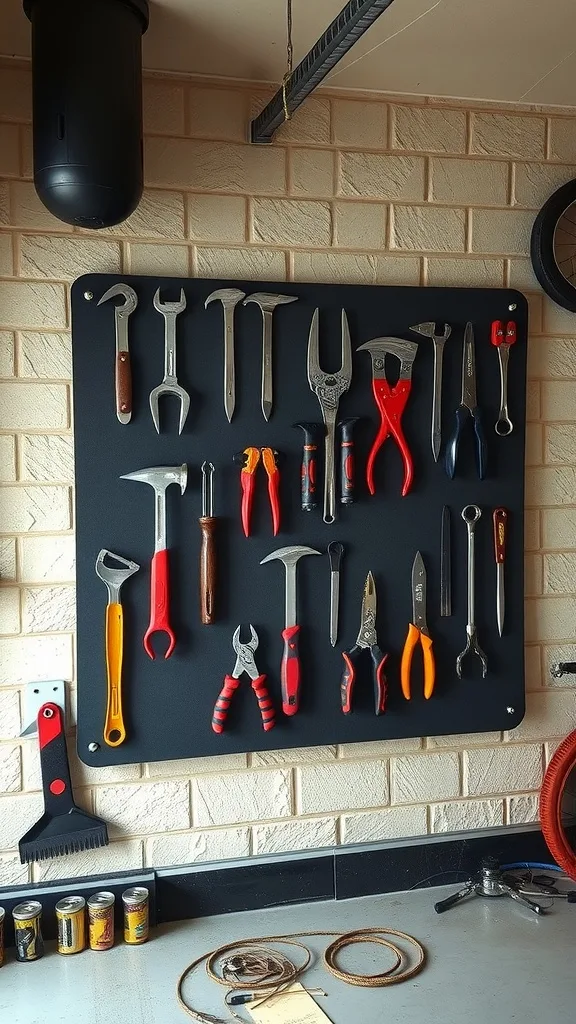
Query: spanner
point(114, 577)
point(123, 375)
point(471, 514)
point(328, 387)
point(428, 330)
point(170, 385)
point(503, 338)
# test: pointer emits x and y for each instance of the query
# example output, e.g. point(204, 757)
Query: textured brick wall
point(370, 191)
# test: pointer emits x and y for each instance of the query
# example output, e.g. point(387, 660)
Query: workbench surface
point(489, 960)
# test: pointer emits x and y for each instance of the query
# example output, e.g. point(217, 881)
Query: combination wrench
point(471, 514)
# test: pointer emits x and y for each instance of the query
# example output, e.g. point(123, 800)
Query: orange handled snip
point(418, 633)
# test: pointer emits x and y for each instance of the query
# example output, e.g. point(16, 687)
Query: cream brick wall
point(369, 191)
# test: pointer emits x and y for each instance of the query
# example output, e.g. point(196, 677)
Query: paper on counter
point(299, 1008)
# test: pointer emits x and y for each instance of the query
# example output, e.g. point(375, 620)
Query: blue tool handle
point(454, 442)
point(481, 446)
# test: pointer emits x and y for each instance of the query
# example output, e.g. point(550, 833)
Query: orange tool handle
point(500, 521)
point(159, 603)
point(267, 712)
point(114, 730)
point(223, 702)
point(413, 638)
point(271, 467)
point(290, 671)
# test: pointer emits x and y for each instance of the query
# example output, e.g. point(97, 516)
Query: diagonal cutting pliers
point(366, 641)
point(418, 634)
point(244, 663)
point(250, 459)
point(391, 401)
point(468, 409)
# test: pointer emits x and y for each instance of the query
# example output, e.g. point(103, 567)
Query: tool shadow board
point(168, 703)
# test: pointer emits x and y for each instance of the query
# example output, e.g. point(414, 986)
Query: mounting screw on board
point(512, 306)
point(93, 747)
point(510, 710)
point(88, 296)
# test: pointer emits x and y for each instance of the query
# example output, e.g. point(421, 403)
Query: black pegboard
point(168, 704)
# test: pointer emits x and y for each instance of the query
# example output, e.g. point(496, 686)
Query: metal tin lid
point(101, 900)
point(136, 895)
point(70, 905)
point(2, 914)
point(24, 911)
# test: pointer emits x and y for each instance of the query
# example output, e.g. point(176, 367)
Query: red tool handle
point(290, 671)
point(159, 603)
point(500, 335)
point(56, 783)
point(247, 481)
point(223, 703)
point(348, 680)
point(274, 497)
point(391, 403)
point(500, 520)
point(265, 704)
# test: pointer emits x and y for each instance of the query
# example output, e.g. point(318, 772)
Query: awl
point(500, 520)
point(335, 552)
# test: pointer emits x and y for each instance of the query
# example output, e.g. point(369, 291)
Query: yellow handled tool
point(418, 633)
point(113, 577)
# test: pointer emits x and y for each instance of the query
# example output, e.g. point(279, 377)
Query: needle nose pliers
point(249, 459)
point(366, 641)
point(391, 401)
point(244, 663)
point(418, 634)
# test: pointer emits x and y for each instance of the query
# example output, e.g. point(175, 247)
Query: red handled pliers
point(249, 460)
point(391, 401)
point(244, 663)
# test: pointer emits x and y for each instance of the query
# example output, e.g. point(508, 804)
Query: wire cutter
point(468, 408)
point(366, 641)
point(244, 663)
point(418, 633)
point(391, 401)
point(249, 460)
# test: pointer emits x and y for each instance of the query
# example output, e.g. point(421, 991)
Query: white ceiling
point(515, 50)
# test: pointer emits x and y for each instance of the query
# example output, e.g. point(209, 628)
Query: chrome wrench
point(503, 338)
point(169, 385)
point(428, 330)
point(328, 387)
point(471, 514)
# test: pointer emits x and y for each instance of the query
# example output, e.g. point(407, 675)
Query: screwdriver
point(500, 520)
point(207, 523)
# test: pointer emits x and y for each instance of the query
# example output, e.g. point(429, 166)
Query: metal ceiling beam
point(352, 22)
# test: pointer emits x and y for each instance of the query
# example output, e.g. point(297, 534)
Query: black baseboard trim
point(256, 883)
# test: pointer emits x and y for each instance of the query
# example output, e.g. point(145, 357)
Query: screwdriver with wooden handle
point(500, 520)
point(207, 523)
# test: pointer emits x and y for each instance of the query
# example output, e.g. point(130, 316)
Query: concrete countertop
point(489, 961)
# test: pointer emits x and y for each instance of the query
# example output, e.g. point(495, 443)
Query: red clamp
point(249, 460)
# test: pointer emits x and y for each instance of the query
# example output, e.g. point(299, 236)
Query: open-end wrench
point(471, 514)
point(428, 330)
point(123, 374)
point(328, 387)
point(170, 385)
point(229, 297)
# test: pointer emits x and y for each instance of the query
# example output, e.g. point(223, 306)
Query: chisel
point(500, 520)
point(207, 523)
point(445, 565)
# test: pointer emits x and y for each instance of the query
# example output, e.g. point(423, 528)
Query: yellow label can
point(71, 920)
point(27, 933)
point(136, 925)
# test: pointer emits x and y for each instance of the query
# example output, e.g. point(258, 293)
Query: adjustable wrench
point(169, 385)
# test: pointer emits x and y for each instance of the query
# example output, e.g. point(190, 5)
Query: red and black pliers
point(391, 401)
point(244, 663)
point(249, 460)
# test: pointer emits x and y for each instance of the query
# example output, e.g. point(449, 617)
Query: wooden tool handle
point(114, 731)
point(500, 520)
point(208, 569)
point(123, 386)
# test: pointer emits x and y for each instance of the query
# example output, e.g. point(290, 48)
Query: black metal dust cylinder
point(87, 107)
